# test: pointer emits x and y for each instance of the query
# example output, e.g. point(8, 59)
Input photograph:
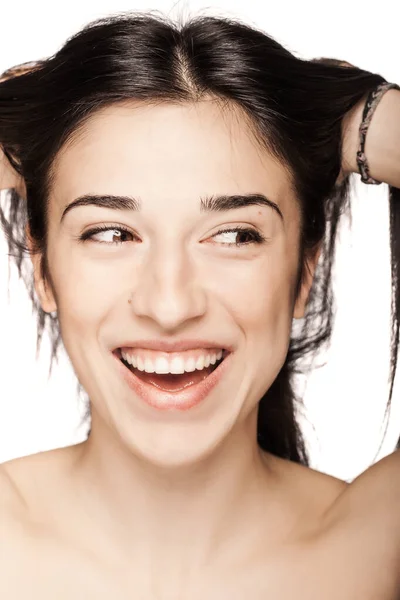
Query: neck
point(211, 507)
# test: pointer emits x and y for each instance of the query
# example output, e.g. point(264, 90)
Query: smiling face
point(172, 276)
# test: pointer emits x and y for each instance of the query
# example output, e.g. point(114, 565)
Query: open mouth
point(171, 382)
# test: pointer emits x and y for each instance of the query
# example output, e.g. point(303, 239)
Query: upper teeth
point(149, 361)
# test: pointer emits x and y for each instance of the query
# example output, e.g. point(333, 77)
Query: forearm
point(382, 146)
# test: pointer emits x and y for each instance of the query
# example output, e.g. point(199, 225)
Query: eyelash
point(258, 238)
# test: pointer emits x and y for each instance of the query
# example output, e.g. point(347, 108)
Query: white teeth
point(200, 363)
point(148, 366)
point(161, 365)
point(176, 365)
point(190, 365)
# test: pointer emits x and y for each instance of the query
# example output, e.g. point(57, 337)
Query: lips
point(172, 382)
point(182, 397)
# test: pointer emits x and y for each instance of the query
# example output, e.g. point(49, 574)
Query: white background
point(345, 399)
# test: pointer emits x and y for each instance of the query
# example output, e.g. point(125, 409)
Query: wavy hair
point(295, 108)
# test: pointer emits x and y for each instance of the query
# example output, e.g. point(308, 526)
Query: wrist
point(380, 139)
point(351, 137)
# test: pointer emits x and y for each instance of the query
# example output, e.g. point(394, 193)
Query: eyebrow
point(208, 204)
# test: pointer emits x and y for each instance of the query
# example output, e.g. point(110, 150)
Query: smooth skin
point(166, 506)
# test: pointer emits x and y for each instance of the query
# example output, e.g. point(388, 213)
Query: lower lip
point(180, 400)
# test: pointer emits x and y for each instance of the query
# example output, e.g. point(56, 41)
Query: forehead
point(170, 149)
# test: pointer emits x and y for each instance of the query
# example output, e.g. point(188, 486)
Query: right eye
point(121, 232)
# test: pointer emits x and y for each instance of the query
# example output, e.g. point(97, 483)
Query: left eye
point(242, 232)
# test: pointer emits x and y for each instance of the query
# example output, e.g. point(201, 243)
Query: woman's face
point(172, 277)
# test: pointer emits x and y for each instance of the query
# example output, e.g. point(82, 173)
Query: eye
point(245, 235)
point(250, 235)
point(118, 231)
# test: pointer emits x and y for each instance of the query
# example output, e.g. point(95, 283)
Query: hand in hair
point(20, 70)
point(9, 178)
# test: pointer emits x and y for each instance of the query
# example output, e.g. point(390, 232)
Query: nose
point(168, 291)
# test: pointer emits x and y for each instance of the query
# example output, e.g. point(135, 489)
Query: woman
point(178, 184)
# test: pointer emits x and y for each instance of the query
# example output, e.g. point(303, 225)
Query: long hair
point(295, 108)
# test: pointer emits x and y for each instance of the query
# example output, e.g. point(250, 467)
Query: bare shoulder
point(31, 488)
point(317, 490)
point(364, 522)
point(13, 534)
point(12, 502)
point(366, 510)
point(374, 495)
point(24, 483)
point(32, 481)
point(352, 530)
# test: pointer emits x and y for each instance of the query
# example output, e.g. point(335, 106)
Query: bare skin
point(156, 506)
point(321, 538)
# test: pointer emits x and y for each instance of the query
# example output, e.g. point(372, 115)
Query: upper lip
point(175, 346)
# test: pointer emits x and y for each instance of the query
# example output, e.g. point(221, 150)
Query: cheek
point(86, 291)
point(268, 328)
point(261, 304)
point(269, 320)
point(260, 294)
